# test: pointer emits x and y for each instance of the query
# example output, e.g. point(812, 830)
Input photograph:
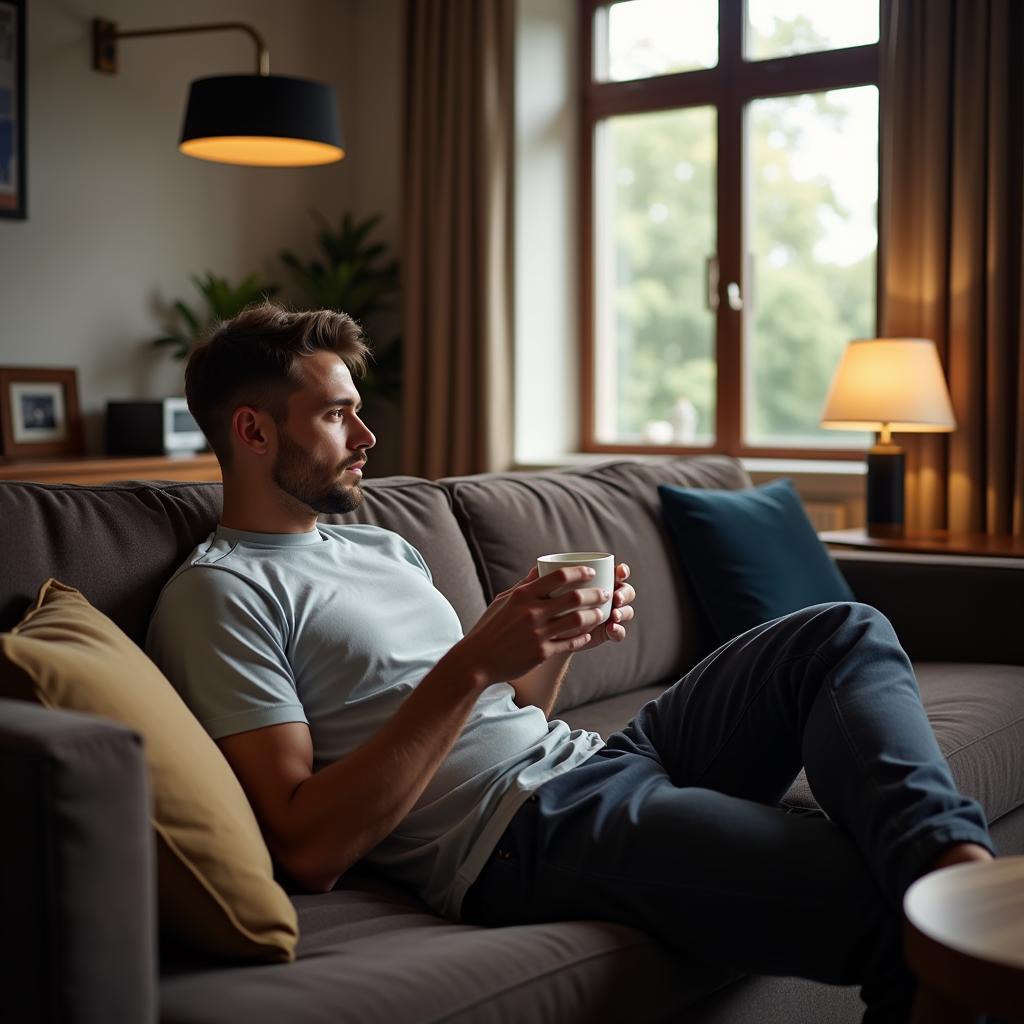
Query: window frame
point(728, 87)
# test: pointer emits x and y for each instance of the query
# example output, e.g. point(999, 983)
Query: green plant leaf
point(350, 272)
point(222, 300)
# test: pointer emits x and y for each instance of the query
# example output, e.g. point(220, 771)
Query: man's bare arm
point(319, 824)
point(540, 687)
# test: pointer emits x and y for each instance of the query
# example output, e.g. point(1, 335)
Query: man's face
point(322, 438)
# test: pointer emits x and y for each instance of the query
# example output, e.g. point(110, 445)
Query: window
point(729, 220)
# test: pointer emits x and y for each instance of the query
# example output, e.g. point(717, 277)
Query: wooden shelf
point(105, 469)
point(932, 542)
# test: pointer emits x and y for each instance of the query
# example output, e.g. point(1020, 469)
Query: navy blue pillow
point(750, 555)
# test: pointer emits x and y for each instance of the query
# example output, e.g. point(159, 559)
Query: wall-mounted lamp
point(262, 119)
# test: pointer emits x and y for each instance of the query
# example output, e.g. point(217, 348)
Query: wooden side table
point(964, 938)
point(929, 542)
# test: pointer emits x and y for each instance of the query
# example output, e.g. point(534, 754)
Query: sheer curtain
point(457, 235)
point(952, 125)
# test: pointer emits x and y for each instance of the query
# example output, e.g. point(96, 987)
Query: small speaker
point(158, 426)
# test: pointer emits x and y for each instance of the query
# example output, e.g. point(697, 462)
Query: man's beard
point(315, 484)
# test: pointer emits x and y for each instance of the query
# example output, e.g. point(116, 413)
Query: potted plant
point(223, 300)
point(353, 275)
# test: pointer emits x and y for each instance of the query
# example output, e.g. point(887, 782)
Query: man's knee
point(844, 619)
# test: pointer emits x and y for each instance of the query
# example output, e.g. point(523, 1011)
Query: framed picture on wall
point(39, 412)
point(13, 176)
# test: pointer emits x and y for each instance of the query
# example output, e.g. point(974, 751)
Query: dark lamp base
point(885, 491)
point(885, 529)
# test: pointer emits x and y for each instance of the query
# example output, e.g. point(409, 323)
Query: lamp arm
point(106, 34)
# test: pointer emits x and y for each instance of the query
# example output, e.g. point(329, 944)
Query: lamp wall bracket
point(105, 36)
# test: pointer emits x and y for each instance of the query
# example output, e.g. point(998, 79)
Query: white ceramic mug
point(601, 562)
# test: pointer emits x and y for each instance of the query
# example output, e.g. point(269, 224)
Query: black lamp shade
point(265, 120)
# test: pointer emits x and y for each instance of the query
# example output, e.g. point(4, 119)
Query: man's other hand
point(614, 628)
point(527, 624)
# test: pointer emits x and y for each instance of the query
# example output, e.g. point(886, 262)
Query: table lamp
point(887, 385)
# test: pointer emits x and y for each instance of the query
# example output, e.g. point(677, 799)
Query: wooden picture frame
point(13, 173)
point(39, 412)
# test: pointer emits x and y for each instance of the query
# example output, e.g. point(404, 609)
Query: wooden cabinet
point(109, 469)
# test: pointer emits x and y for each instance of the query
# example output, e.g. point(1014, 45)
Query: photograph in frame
point(39, 412)
point(13, 177)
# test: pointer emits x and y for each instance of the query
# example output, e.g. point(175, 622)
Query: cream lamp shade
point(889, 384)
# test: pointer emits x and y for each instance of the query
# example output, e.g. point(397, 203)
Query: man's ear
point(253, 429)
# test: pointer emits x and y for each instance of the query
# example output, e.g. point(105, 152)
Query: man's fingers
point(569, 574)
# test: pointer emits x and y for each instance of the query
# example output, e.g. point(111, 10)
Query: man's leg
point(828, 688)
point(725, 881)
point(672, 828)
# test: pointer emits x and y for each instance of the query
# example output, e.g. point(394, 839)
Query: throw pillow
point(215, 879)
point(750, 555)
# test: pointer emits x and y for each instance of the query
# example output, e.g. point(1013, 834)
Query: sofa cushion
point(750, 555)
point(116, 543)
point(215, 880)
point(509, 519)
point(370, 954)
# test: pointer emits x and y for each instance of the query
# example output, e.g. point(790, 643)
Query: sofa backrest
point(511, 518)
point(119, 544)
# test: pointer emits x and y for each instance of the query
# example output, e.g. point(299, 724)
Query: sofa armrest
point(77, 870)
point(944, 608)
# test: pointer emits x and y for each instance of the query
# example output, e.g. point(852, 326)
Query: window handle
point(711, 283)
point(735, 297)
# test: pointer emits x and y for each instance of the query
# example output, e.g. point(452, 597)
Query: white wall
point(118, 219)
point(546, 198)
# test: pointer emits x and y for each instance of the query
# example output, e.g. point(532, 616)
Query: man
point(363, 725)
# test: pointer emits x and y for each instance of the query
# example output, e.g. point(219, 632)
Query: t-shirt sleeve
point(413, 556)
point(222, 641)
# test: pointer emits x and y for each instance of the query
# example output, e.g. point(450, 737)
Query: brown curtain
point(952, 122)
point(456, 268)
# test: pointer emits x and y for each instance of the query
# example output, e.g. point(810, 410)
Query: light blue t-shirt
point(335, 628)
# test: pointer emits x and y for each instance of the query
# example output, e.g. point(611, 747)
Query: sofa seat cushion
point(977, 712)
point(370, 953)
point(612, 713)
point(511, 518)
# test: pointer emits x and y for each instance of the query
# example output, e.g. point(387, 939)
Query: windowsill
point(756, 467)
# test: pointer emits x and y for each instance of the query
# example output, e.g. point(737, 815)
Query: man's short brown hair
point(250, 360)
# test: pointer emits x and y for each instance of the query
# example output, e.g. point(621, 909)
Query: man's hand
point(541, 684)
point(622, 612)
point(525, 625)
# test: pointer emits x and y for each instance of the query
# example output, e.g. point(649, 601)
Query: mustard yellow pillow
point(215, 880)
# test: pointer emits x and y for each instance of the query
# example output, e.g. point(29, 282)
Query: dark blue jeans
point(674, 827)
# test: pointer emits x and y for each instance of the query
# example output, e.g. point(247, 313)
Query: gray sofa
point(76, 860)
